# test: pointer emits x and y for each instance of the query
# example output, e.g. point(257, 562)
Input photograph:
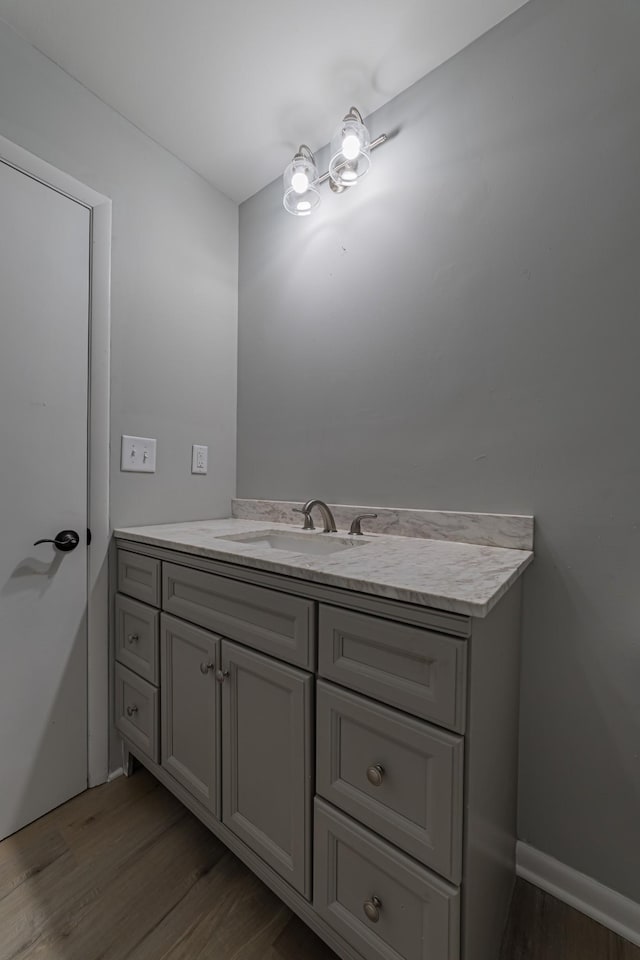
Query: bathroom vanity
point(345, 721)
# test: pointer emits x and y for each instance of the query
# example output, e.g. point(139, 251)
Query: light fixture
point(350, 159)
point(350, 151)
point(301, 192)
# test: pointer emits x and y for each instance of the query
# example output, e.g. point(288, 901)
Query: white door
point(44, 310)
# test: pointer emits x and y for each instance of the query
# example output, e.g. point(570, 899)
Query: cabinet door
point(267, 761)
point(190, 714)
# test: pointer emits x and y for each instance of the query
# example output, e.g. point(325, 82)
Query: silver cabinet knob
point(205, 667)
point(131, 710)
point(372, 909)
point(222, 675)
point(133, 637)
point(375, 775)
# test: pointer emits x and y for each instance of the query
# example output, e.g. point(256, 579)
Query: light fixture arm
point(305, 153)
point(374, 143)
point(353, 114)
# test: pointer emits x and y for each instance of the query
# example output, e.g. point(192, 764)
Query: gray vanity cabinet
point(358, 754)
point(190, 709)
point(267, 760)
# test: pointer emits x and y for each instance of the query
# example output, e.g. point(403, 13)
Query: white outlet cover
point(199, 458)
point(138, 455)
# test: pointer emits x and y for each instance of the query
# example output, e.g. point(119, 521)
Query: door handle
point(65, 541)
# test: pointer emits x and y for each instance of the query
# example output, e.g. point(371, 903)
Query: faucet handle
point(308, 519)
point(355, 528)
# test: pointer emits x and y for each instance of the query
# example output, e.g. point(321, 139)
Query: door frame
point(98, 465)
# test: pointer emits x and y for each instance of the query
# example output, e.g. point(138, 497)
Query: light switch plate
point(199, 458)
point(138, 454)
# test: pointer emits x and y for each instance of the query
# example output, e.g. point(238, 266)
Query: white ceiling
point(233, 87)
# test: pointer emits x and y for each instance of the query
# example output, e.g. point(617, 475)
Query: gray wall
point(462, 332)
point(174, 286)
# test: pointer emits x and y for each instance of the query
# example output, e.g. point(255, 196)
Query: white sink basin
point(312, 543)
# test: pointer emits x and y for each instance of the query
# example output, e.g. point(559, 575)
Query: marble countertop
point(448, 575)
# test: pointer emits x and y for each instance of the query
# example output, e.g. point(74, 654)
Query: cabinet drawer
point(137, 637)
point(137, 711)
point(267, 620)
point(383, 903)
point(416, 670)
point(399, 776)
point(139, 577)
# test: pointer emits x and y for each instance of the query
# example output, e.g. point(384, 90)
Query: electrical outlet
point(138, 454)
point(199, 458)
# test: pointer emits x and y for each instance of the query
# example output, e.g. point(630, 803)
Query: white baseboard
point(115, 774)
point(611, 909)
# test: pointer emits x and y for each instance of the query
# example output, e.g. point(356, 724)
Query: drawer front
point(276, 623)
point(137, 711)
point(399, 776)
point(139, 577)
point(137, 636)
point(416, 670)
point(381, 902)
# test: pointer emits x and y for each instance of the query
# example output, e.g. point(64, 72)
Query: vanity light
point(350, 160)
point(301, 192)
point(350, 150)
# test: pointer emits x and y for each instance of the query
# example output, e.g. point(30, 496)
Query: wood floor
point(124, 872)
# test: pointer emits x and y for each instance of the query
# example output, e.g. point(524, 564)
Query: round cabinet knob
point(133, 638)
point(205, 667)
point(372, 909)
point(375, 775)
point(222, 675)
point(131, 710)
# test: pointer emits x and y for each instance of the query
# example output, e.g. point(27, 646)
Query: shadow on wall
point(21, 579)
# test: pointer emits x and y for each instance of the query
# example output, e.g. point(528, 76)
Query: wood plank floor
point(125, 872)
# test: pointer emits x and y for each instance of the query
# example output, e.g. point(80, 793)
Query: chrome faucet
point(355, 529)
point(327, 516)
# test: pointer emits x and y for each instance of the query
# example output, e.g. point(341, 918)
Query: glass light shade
point(301, 192)
point(350, 152)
